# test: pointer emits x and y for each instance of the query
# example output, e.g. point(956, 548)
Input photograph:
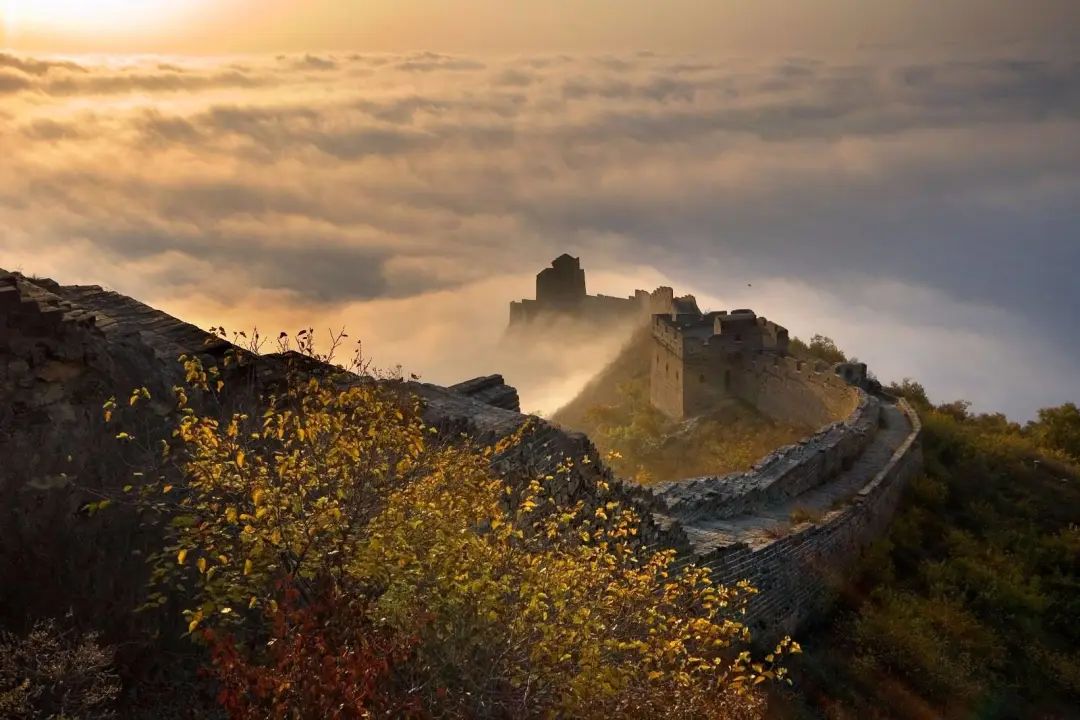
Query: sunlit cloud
point(918, 212)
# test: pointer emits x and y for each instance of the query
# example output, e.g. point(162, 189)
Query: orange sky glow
point(479, 26)
point(404, 167)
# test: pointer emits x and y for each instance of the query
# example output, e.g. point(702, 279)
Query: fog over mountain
point(921, 212)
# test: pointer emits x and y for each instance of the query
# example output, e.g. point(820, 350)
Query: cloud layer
point(927, 212)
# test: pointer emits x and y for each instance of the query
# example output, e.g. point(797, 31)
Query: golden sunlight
point(97, 18)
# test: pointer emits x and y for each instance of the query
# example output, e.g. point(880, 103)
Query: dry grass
point(802, 515)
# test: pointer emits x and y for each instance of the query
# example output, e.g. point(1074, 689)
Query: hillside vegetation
point(969, 607)
point(644, 445)
point(333, 556)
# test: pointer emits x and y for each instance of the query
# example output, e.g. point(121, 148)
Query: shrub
point(1058, 428)
point(967, 608)
point(417, 580)
point(53, 674)
point(322, 660)
point(913, 391)
point(820, 347)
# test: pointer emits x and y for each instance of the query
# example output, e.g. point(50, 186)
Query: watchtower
point(561, 286)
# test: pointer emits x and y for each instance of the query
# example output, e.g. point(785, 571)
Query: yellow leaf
point(181, 556)
point(240, 459)
point(253, 602)
point(257, 496)
point(230, 515)
point(193, 624)
point(202, 564)
point(247, 571)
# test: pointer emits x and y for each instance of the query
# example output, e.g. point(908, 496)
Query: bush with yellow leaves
point(509, 603)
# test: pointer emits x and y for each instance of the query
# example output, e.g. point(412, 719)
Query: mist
point(917, 212)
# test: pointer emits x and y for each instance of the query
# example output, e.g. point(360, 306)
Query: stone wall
point(794, 391)
point(783, 474)
point(561, 293)
point(666, 379)
point(57, 367)
point(797, 573)
point(543, 450)
point(64, 350)
point(490, 389)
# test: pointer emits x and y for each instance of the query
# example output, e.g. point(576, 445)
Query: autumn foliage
point(343, 559)
point(323, 659)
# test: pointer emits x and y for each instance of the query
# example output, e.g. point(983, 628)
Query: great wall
point(788, 525)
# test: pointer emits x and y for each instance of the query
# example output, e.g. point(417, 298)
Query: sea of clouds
point(926, 214)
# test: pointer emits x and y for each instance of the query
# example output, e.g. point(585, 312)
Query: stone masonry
point(702, 359)
point(561, 293)
point(65, 349)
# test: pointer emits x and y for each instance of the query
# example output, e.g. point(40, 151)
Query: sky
point(905, 179)
point(516, 26)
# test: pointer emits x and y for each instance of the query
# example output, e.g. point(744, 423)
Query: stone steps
point(120, 316)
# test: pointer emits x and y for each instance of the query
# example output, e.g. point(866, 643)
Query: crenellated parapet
point(701, 360)
point(798, 561)
point(561, 295)
point(785, 473)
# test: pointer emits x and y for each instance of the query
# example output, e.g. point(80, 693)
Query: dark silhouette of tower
point(561, 286)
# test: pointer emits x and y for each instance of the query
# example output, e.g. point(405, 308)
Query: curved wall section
point(64, 349)
point(795, 391)
point(783, 474)
point(795, 574)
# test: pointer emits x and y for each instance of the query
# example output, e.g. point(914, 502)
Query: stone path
point(762, 528)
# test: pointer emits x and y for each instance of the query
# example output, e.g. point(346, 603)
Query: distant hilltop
point(561, 293)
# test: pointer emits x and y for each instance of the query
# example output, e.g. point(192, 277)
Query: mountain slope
point(968, 608)
point(615, 412)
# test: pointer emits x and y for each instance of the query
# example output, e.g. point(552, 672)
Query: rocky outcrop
point(490, 389)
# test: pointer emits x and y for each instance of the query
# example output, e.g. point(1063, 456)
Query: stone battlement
point(561, 293)
point(796, 518)
point(796, 561)
point(785, 473)
point(701, 359)
point(65, 349)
